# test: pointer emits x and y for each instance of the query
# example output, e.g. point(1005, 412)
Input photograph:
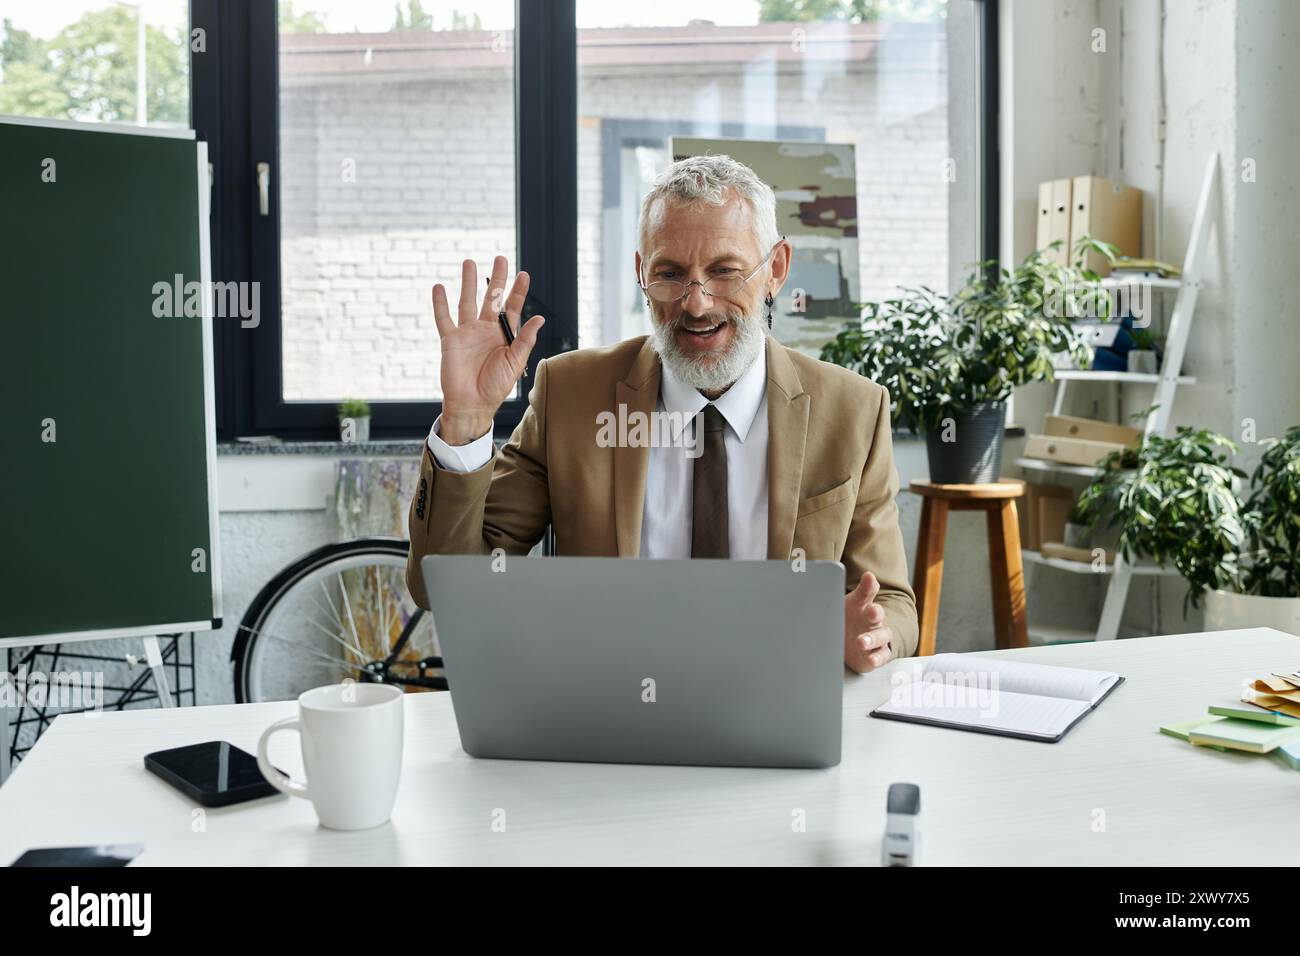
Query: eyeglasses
point(673, 290)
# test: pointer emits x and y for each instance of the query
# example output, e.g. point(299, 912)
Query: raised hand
point(479, 370)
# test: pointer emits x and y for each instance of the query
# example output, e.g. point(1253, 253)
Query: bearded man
point(767, 454)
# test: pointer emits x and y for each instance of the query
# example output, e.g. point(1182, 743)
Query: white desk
point(985, 799)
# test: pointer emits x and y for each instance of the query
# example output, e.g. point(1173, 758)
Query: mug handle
point(274, 777)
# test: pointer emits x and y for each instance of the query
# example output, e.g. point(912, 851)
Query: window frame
point(240, 122)
point(231, 112)
point(989, 146)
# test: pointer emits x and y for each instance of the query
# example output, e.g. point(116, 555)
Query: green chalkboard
point(107, 478)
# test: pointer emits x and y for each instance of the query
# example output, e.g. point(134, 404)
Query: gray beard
point(712, 372)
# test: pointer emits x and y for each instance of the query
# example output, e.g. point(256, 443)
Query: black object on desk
point(112, 854)
point(214, 773)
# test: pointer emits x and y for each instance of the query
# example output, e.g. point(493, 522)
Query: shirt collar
point(738, 404)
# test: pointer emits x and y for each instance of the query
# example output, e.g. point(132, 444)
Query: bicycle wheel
point(341, 611)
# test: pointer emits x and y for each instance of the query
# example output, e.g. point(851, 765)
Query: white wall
point(1266, 229)
point(1223, 74)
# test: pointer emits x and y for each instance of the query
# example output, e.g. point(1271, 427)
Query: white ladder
point(1166, 385)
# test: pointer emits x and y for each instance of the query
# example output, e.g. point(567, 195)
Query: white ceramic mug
point(351, 749)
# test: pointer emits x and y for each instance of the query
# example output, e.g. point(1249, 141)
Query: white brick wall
point(429, 182)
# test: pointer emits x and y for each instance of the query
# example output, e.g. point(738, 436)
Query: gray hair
point(698, 180)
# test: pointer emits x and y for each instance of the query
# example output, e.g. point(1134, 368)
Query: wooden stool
point(998, 501)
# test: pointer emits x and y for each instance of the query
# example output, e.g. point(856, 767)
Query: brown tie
point(709, 524)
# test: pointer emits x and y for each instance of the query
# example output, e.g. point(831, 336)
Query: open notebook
point(992, 696)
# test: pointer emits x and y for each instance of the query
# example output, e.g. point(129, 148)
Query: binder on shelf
point(1070, 426)
point(1059, 222)
point(1079, 441)
point(1043, 235)
point(1068, 552)
point(1068, 451)
point(1109, 211)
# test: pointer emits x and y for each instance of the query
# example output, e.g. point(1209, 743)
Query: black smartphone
point(115, 854)
point(214, 773)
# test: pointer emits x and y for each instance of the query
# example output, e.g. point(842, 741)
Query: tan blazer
point(831, 476)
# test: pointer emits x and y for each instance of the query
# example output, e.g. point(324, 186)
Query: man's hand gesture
point(479, 370)
point(868, 640)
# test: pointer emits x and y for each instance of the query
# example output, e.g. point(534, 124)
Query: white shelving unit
point(1085, 567)
point(1134, 378)
point(1166, 384)
point(1119, 282)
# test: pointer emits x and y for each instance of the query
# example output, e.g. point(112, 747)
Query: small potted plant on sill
point(951, 362)
point(354, 421)
point(1183, 505)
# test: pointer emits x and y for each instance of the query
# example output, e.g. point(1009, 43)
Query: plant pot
point(974, 453)
point(1076, 535)
point(1143, 361)
point(1227, 610)
point(359, 428)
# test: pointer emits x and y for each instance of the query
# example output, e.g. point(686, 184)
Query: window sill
point(293, 475)
point(414, 447)
point(391, 448)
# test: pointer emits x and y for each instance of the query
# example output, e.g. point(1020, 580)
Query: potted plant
point(1077, 526)
point(1182, 505)
point(1144, 356)
point(1268, 592)
point(950, 362)
point(354, 420)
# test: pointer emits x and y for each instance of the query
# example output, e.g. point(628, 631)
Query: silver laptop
point(617, 660)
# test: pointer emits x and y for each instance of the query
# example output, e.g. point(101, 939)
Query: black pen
point(505, 327)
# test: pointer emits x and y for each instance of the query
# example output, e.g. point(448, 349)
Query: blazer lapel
point(787, 433)
point(638, 392)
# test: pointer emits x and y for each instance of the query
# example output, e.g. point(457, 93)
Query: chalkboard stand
point(128, 686)
point(81, 189)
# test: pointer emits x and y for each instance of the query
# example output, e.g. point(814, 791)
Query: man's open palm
point(479, 370)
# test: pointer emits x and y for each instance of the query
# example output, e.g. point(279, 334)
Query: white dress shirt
point(666, 513)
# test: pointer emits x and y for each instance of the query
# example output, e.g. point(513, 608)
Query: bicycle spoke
point(329, 603)
point(327, 607)
point(383, 609)
point(332, 636)
point(361, 655)
point(302, 648)
point(348, 606)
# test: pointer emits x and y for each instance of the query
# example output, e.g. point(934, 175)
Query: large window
point(871, 75)
point(397, 161)
point(362, 150)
